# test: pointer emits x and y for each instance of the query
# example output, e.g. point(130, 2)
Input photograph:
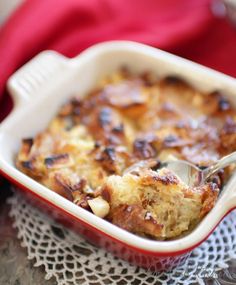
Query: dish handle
point(27, 81)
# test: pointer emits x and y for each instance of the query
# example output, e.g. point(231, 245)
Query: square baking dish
point(41, 86)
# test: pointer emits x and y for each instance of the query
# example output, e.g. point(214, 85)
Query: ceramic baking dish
point(45, 83)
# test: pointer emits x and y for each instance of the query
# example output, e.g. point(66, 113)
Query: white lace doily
point(71, 260)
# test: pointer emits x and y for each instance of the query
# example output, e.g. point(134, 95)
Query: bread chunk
point(157, 203)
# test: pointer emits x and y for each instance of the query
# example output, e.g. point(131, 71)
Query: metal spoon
point(189, 173)
point(193, 175)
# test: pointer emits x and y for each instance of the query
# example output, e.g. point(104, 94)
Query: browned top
point(128, 118)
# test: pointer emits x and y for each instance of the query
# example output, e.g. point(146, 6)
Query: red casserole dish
point(43, 84)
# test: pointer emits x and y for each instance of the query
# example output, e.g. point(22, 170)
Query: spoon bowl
point(192, 175)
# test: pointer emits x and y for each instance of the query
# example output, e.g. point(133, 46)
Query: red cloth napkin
point(184, 27)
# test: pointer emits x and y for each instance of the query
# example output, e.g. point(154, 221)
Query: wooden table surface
point(15, 268)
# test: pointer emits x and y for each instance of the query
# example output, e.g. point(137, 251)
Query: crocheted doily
point(72, 260)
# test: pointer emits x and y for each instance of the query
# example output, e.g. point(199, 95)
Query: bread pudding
point(105, 152)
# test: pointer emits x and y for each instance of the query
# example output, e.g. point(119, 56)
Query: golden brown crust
point(128, 124)
point(209, 196)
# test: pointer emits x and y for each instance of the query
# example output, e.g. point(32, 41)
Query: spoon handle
point(222, 163)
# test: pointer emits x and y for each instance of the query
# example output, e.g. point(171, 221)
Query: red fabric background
point(184, 27)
